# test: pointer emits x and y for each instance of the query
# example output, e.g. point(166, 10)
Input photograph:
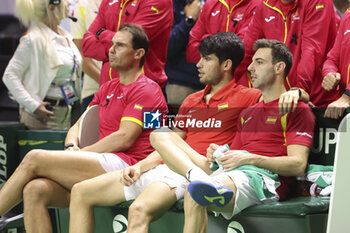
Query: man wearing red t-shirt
point(45, 178)
point(268, 146)
point(219, 104)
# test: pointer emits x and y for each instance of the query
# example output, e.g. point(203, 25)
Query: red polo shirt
point(216, 121)
point(118, 102)
point(262, 130)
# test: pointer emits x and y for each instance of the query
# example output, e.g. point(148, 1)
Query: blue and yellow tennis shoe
point(208, 193)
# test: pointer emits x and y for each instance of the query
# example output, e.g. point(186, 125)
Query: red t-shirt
point(262, 130)
point(118, 102)
point(216, 121)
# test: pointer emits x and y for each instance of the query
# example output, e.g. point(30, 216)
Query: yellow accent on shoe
point(221, 190)
point(211, 199)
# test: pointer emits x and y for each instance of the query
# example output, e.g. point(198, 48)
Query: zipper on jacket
point(121, 12)
point(285, 27)
point(119, 19)
point(229, 11)
point(284, 19)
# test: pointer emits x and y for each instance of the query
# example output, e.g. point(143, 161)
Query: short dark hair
point(279, 51)
point(139, 38)
point(225, 45)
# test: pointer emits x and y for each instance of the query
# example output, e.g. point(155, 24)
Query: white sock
point(195, 173)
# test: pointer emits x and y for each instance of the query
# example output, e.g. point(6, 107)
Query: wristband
point(68, 145)
point(98, 33)
point(296, 88)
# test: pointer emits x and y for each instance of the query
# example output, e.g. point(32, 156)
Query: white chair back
point(89, 127)
point(338, 215)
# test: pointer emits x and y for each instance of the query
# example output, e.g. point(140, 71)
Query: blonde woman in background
point(44, 73)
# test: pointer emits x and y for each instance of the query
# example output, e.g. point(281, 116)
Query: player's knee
point(138, 211)
point(154, 138)
point(77, 193)
point(35, 191)
point(157, 136)
point(31, 161)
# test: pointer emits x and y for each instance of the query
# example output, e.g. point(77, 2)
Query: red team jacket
point(155, 16)
point(308, 28)
point(220, 16)
point(338, 59)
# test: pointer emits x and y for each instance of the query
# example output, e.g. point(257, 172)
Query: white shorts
point(160, 173)
point(245, 195)
point(111, 162)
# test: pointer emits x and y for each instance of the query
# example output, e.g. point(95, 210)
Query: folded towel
point(263, 181)
point(320, 174)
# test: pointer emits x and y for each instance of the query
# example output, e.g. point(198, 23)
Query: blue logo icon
point(151, 120)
